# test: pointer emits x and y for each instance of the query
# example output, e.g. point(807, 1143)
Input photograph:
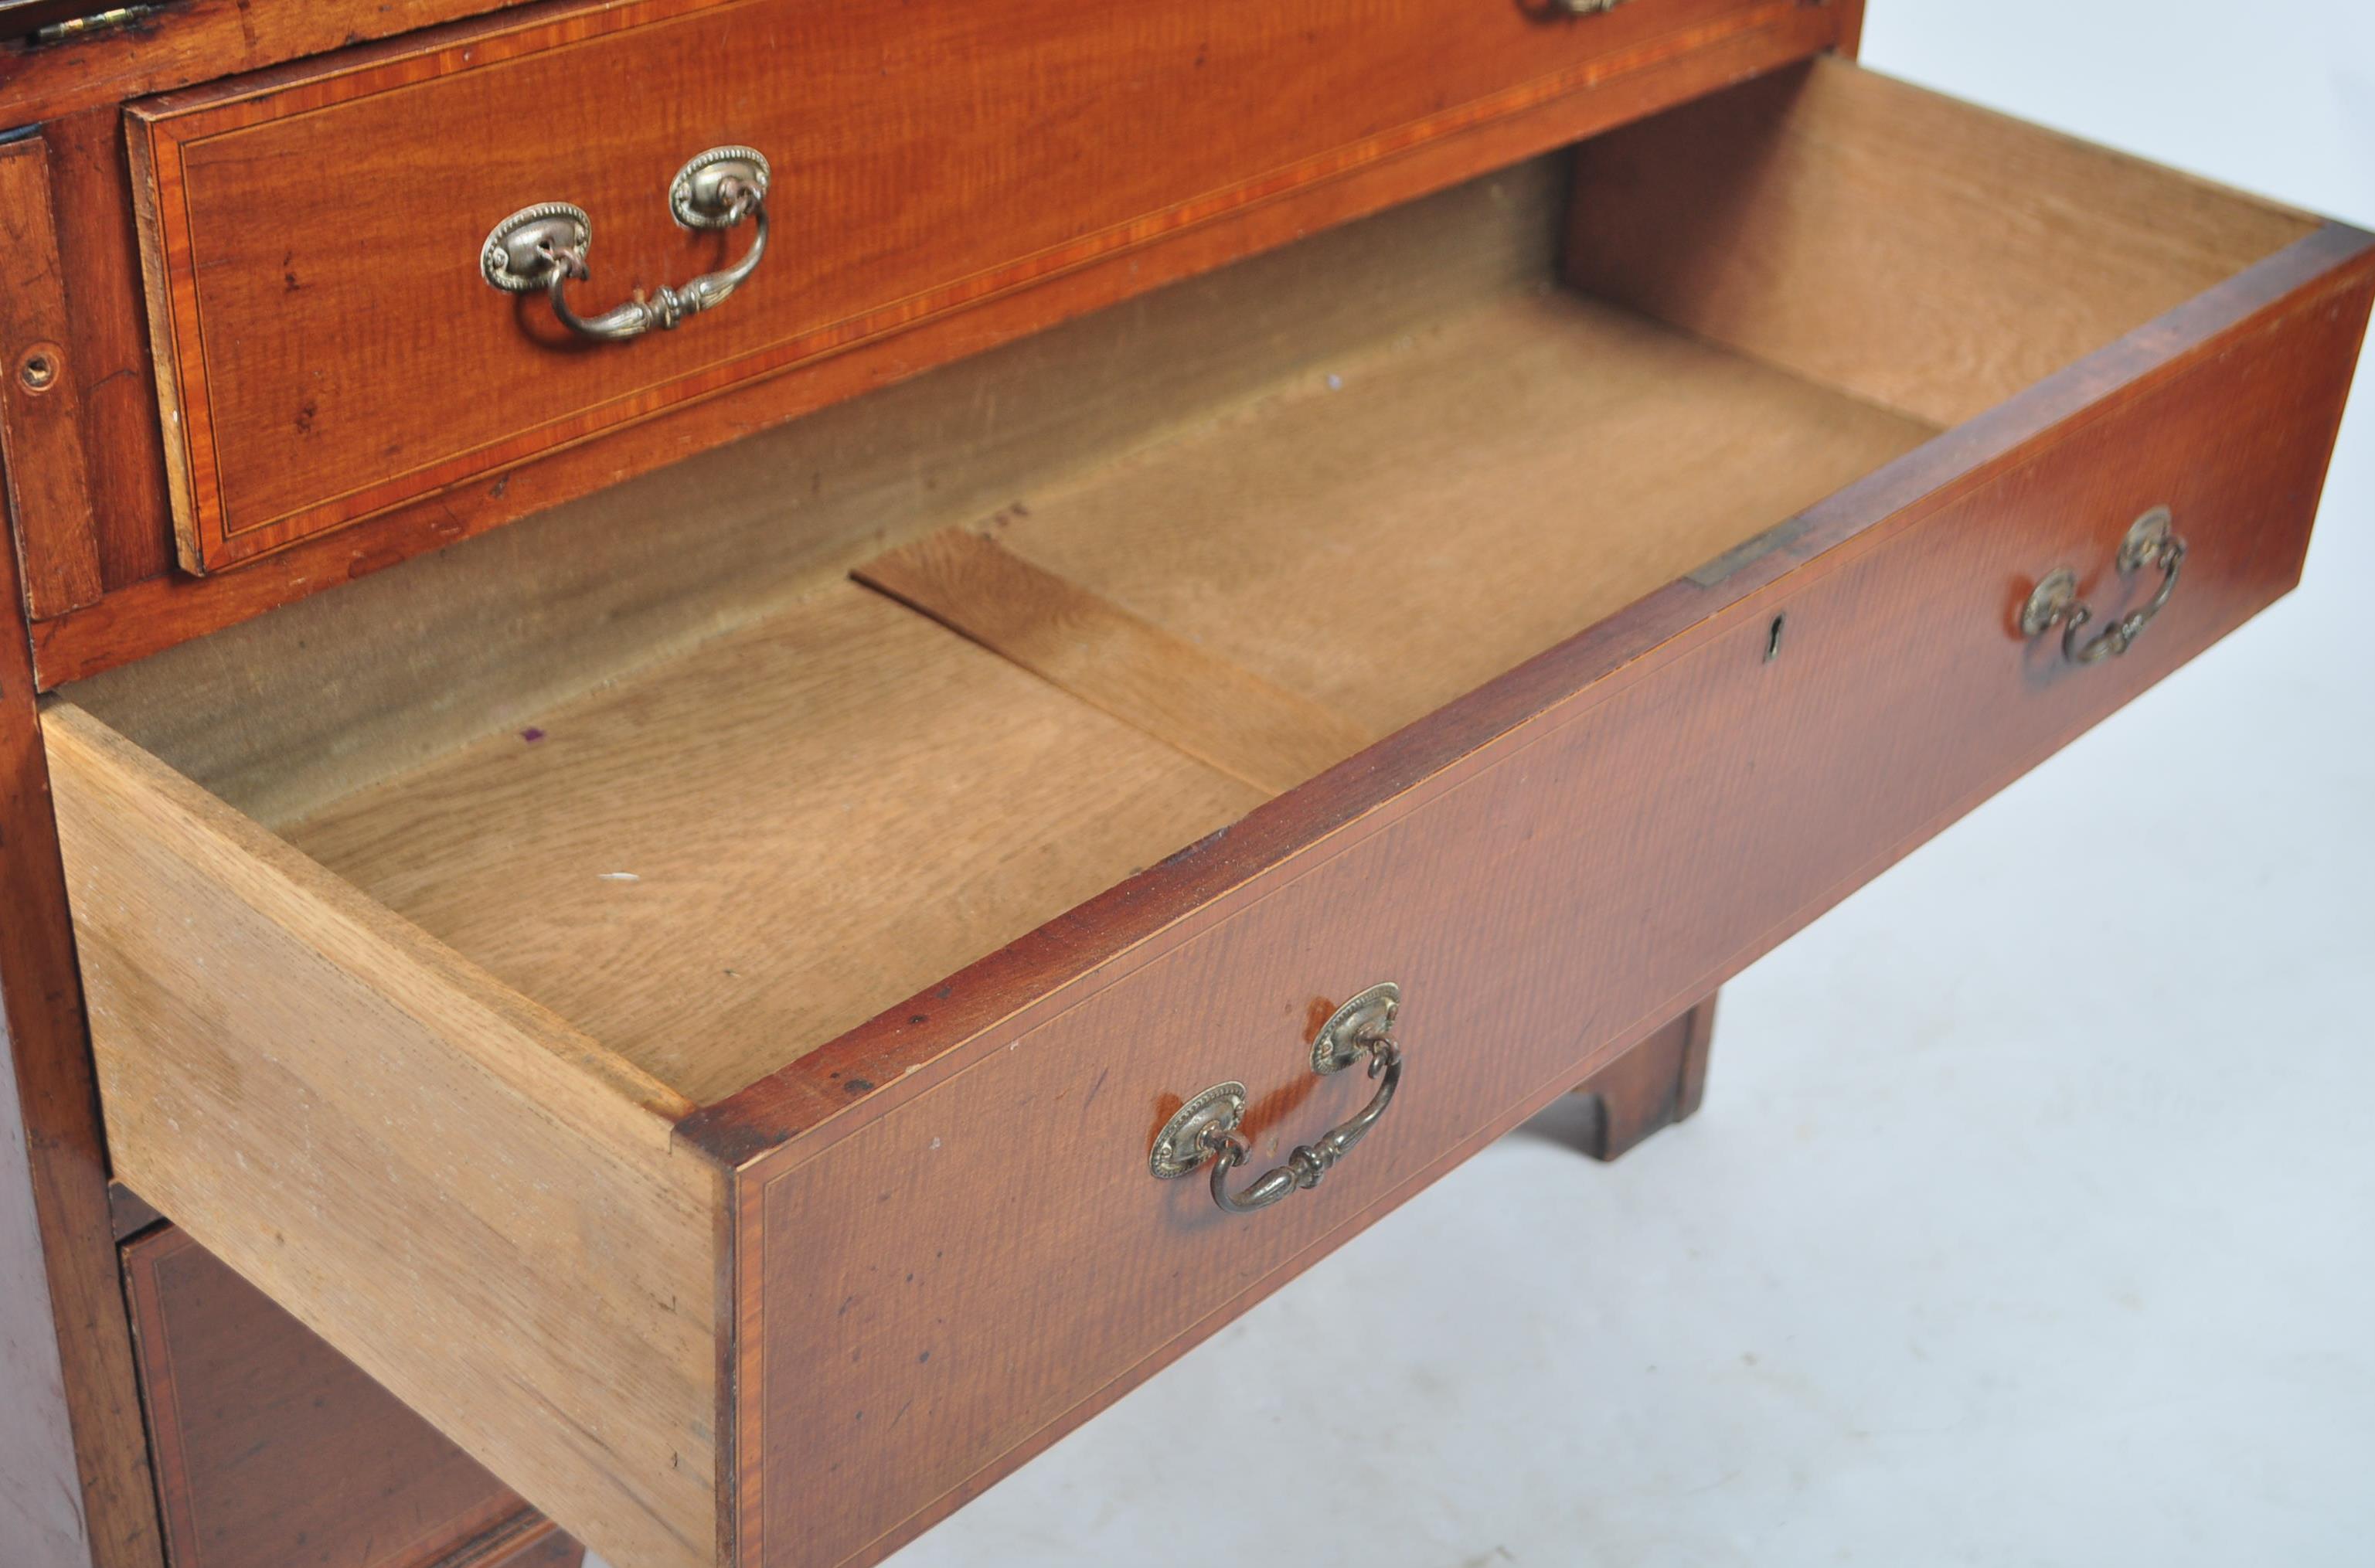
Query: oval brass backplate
point(518, 255)
point(1345, 1036)
point(695, 197)
point(1179, 1148)
point(2144, 538)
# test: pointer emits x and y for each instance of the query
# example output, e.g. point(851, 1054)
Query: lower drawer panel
point(271, 1448)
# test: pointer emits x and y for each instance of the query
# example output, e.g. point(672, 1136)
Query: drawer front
point(327, 347)
point(942, 1291)
point(273, 1448)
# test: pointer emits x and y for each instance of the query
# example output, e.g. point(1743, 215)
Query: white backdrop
point(2029, 1219)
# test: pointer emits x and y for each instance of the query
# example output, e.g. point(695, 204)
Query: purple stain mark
point(531, 735)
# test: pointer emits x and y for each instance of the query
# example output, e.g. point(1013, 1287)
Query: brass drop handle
point(2152, 540)
point(544, 246)
point(1205, 1129)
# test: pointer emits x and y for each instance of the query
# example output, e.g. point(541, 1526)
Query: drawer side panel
point(469, 1200)
point(1924, 253)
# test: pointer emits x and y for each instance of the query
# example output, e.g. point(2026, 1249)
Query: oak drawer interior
point(727, 760)
point(715, 851)
point(722, 859)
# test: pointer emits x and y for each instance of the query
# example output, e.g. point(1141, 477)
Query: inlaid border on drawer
point(281, 425)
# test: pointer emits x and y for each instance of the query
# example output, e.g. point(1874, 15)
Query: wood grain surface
point(196, 41)
point(273, 1448)
point(538, 1545)
point(910, 176)
point(1654, 1085)
point(722, 861)
point(1927, 254)
point(1220, 714)
point(297, 707)
point(41, 1521)
point(1554, 860)
point(801, 790)
point(919, 1322)
point(41, 394)
point(1851, 18)
point(2276, 288)
point(429, 1171)
point(150, 606)
point(1399, 527)
point(75, 1487)
point(108, 348)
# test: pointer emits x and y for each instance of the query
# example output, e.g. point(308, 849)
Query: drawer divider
point(1215, 710)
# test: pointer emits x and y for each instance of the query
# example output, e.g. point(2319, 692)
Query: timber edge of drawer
point(509, 987)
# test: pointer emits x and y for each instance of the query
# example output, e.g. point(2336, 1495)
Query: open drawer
point(698, 1033)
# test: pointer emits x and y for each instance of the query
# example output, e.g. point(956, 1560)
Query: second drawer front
point(946, 1288)
point(328, 344)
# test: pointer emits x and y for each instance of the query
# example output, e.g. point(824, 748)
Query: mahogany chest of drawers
point(752, 743)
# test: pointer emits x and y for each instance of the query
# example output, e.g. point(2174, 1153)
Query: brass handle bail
point(544, 246)
point(1205, 1129)
point(2152, 541)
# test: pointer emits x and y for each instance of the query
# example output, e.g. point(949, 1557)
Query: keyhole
point(1773, 638)
point(39, 370)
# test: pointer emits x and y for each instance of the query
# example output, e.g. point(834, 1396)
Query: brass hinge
point(39, 22)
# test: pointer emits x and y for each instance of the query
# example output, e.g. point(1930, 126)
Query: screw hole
point(1773, 638)
point(39, 371)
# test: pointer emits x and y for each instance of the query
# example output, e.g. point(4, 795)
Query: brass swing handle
point(2152, 540)
point(1205, 1129)
point(544, 246)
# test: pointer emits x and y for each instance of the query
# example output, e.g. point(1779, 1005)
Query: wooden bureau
point(746, 732)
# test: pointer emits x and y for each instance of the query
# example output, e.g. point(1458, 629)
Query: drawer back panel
point(327, 348)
